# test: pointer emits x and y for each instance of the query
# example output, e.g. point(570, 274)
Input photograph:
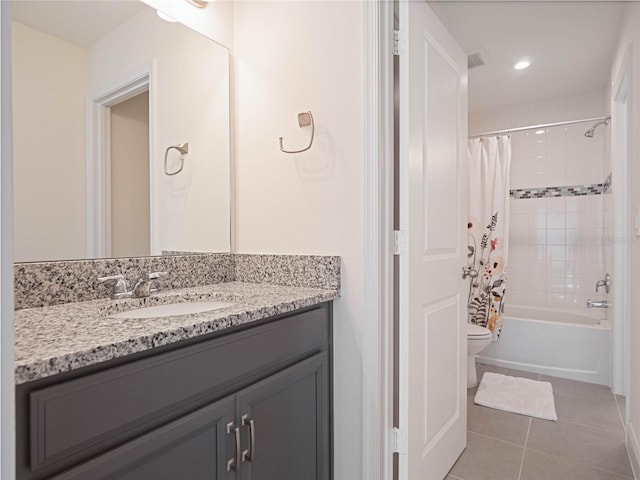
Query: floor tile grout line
point(524, 449)
point(495, 438)
point(583, 397)
point(575, 462)
point(591, 427)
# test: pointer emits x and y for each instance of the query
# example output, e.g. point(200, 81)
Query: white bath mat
point(518, 395)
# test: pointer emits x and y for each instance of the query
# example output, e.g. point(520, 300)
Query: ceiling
point(570, 46)
point(79, 22)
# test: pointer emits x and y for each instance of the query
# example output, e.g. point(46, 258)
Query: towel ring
point(304, 120)
point(183, 148)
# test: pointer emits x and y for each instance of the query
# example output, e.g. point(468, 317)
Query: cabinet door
point(194, 447)
point(285, 423)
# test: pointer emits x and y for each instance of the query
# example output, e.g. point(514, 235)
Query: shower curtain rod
point(542, 125)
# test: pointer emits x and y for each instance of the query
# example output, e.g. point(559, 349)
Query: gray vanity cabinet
point(193, 447)
point(251, 403)
point(286, 418)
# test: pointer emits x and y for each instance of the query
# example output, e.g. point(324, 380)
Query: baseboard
point(633, 449)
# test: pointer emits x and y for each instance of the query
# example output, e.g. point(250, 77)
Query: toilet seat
point(477, 332)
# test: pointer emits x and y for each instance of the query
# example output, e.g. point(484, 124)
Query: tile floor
point(586, 443)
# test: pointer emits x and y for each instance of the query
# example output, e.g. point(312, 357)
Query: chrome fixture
point(606, 283)
point(589, 133)
point(538, 127)
point(305, 119)
point(250, 454)
point(597, 304)
point(233, 464)
point(469, 272)
point(120, 286)
point(183, 148)
point(141, 287)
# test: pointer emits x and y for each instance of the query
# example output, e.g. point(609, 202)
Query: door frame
point(377, 342)
point(7, 369)
point(98, 157)
point(620, 144)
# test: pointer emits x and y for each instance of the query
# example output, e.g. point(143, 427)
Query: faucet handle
point(154, 275)
point(120, 283)
point(142, 286)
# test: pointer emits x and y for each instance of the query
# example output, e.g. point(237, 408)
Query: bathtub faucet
point(606, 283)
point(597, 304)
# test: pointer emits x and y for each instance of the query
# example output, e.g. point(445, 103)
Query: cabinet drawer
point(193, 447)
point(78, 418)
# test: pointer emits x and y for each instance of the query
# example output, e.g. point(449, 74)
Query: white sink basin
point(172, 309)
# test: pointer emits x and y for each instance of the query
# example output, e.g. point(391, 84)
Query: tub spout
point(597, 304)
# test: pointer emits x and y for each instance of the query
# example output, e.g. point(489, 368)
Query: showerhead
point(589, 133)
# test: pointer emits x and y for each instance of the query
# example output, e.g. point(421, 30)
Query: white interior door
point(433, 212)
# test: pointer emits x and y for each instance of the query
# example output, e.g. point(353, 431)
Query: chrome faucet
point(597, 304)
point(141, 287)
point(606, 283)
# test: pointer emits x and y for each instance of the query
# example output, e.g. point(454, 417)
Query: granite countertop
point(60, 338)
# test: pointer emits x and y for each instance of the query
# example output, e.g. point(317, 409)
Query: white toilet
point(478, 338)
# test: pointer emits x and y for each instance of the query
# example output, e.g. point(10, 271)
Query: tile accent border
point(566, 191)
point(41, 284)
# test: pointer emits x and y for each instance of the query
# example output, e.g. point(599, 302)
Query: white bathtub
point(553, 342)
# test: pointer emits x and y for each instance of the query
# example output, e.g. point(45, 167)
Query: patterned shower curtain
point(488, 227)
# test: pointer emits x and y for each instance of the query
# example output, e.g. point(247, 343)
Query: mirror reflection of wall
point(130, 189)
point(68, 57)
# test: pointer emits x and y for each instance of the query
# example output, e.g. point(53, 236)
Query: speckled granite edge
point(42, 284)
point(61, 338)
point(314, 271)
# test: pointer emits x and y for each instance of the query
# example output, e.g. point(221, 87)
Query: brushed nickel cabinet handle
point(233, 464)
point(250, 455)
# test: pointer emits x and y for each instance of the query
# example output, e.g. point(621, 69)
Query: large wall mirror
point(108, 101)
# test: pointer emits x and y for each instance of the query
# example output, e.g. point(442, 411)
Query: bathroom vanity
point(237, 393)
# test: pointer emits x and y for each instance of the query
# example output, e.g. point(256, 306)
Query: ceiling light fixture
point(522, 64)
point(540, 132)
point(198, 3)
point(165, 17)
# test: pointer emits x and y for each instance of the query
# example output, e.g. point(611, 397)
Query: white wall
point(130, 177)
point(189, 103)
point(630, 35)
point(49, 161)
point(292, 57)
point(556, 251)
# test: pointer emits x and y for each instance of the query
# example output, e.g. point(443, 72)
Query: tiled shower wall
point(557, 245)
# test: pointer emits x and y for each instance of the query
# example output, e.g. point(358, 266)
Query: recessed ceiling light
point(540, 132)
point(522, 64)
point(165, 17)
